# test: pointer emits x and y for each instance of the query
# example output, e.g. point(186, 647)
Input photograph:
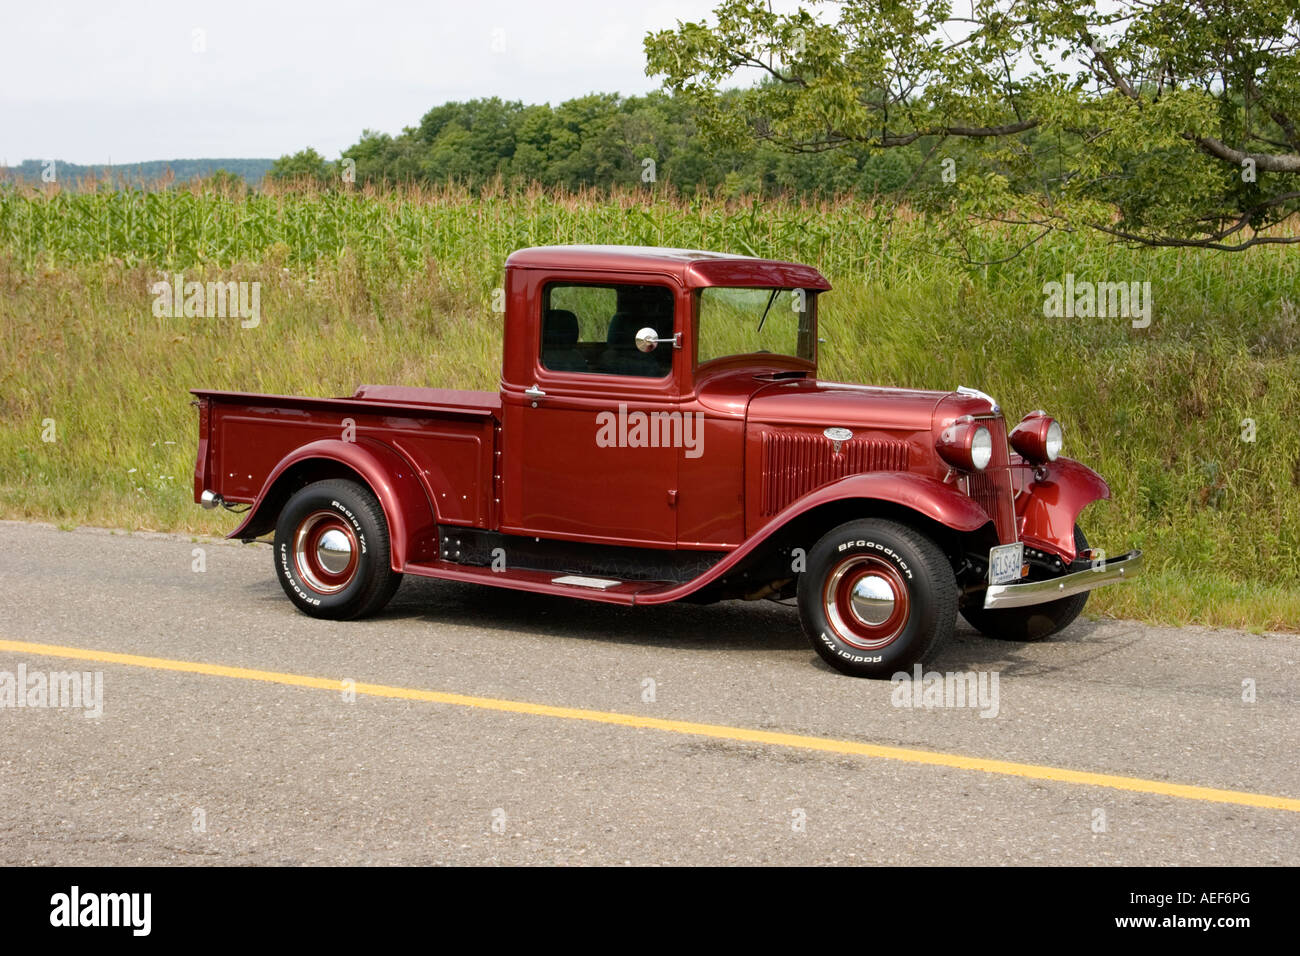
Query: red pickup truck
point(660, 434)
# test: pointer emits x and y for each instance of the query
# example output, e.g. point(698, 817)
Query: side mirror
point(647, 340)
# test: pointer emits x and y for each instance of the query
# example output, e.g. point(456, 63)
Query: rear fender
point(1048, 509)
point(412, 521)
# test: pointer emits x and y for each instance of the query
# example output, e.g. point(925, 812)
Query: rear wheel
point(876, 598)
point(332, 551)
point(1032, 623)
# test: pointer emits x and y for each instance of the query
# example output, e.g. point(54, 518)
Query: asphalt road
point(197, 767)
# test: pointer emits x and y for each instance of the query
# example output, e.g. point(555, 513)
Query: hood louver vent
point(795, 464)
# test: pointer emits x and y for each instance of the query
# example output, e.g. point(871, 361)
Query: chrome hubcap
point(866, 600)
point(325, 552)
point(872, 600)
point(334, 551)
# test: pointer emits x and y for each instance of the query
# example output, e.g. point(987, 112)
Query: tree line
point(601, 140)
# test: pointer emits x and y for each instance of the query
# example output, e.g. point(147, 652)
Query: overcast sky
point(169, 79)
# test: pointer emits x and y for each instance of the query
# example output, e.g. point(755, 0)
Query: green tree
point(468, 141)
point(1167, 123)
point(305, 164)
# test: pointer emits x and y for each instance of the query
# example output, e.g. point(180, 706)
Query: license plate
point(1005, 562)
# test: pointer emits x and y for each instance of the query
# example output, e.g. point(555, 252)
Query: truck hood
point(828, 404)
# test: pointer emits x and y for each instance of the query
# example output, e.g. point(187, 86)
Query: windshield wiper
point(770, 299)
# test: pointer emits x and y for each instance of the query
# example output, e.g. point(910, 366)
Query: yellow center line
point(714, 731)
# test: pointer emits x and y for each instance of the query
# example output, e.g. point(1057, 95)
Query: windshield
point(745, 321)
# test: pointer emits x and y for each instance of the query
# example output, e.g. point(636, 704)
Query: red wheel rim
point(866, 601)
point(325, 552)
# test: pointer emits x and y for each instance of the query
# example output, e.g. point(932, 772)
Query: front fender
point(1048, 509)
point(412, 522)
point(927, 496)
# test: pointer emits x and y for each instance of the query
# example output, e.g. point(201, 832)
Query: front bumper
point(1123, 568)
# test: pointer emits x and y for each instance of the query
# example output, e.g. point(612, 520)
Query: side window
point(592, 328)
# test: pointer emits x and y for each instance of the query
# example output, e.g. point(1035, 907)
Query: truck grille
point(795, 464)
point(991, 490)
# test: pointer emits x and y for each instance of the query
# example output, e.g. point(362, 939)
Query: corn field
point(470, 234)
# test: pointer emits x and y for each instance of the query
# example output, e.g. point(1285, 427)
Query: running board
point(542, 582)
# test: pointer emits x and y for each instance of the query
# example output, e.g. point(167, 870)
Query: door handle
point(533, 392)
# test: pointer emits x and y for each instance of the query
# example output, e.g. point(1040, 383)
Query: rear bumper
point(1123, 568)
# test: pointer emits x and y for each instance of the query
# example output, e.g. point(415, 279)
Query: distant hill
point(29, 170)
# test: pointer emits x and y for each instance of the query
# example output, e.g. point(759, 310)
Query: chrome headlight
point(1038, 438)
point(1055, 439)
point(966, 445)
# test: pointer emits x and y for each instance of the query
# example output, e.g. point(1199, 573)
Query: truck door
point(593, 442)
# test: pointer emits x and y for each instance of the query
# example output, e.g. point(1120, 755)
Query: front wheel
point(876, 598)
point(332, 551)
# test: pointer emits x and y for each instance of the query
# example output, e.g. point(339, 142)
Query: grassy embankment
point(397, 289)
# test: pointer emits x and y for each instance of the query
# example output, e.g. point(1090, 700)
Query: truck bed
point(448, 437)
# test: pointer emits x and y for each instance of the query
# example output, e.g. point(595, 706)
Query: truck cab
point(616, 439)
point(660, 434)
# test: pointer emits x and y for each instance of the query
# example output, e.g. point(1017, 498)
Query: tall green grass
point(397, 288)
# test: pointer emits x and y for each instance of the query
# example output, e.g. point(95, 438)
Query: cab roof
point(694, 268)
